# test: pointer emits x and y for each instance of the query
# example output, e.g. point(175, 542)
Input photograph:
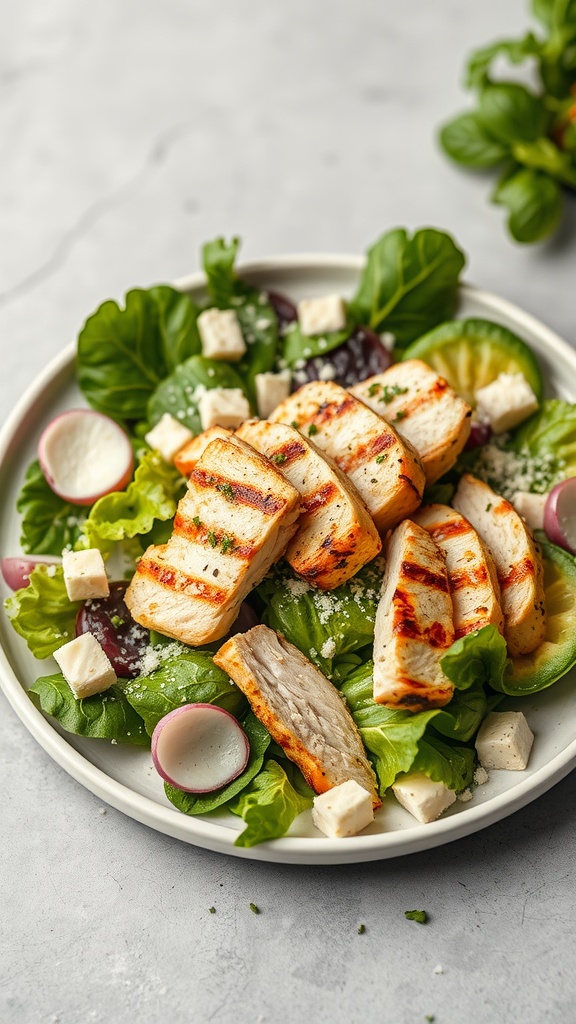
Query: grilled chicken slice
point(236, 519)
point(414, 626)
point(424, 409)
point(471, 570)
point(301, 709)
point(188, 456)
point(517, 558)
point(385, 470)
point(336, 535)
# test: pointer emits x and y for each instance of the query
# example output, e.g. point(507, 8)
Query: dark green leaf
point(534, 204)
point(299, 346)
point(49, 524)
point(42, 612)
point(105, 716)
point(218, 258)
point(461, 718)
point(516, 50)
point(270, 804)
point(177, 324)
point(510, 113)
point(178, 394)
point(466, 140)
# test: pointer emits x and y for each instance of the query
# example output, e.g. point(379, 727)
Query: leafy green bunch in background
point(530, 136)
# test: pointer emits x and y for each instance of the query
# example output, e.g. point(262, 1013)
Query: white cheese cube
point(168, 436)
point(271, 389)
point(223, 407)
point(343, 811)
point(319, 316)
point(506, 401)
point(425, 799)
point(85, 666)
point(85, 574)
point(221, 335)
point(531, 508)
point(504, 741)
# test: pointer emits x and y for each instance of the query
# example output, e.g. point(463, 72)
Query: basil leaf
point(104, 716)
point(276, 796)
point(534, 204)
point(123, 354)
point(49, 524)
point(466, 140)
point(203, 803)
point(42, 612)
point(190, 677)
point(180, 392)
point(409, 285)
point(509, 112)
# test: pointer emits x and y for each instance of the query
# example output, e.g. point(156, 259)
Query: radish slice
point(84, 455)
point(199, 748)
point(16, 571)
point(560, 515)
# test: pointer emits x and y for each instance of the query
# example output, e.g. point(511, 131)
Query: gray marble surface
point(132, 132)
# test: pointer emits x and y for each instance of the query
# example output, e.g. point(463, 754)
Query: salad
point(183, 397)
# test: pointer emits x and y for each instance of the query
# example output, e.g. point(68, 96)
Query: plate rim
point(219, 837)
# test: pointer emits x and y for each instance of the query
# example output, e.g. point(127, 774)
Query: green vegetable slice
point(557, 654)
point(472, 353)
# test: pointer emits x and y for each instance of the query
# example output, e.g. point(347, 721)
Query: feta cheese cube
point(85, 666)
point(221, 334)
point(85, 574)
point(343, 811)
point(531, 508)
point(425, 799)
point(506, 402)
point(223, 407)
point(319, 316)
point(271, 389)
point(168, 436)
point(504, 741)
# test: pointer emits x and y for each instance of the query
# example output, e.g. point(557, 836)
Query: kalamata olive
point(284, 308)
point(123, 640)
point(361, 356)
point(480, 433)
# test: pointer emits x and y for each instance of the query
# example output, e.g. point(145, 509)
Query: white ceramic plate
point(125, 778)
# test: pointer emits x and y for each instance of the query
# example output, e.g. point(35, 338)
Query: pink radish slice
point(84, 455)
point(560, 515)
point(16, 571)
point(199, 748)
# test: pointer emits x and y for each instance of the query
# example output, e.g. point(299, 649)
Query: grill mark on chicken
point(330, 410)
point(323, 496)
point(268, 504)
point(449, 529)
point(406, 622)
point(522, 570)
point(364, 452)
point(460, 578)
point(187, 528)
point(180, 582)
point(421, 574)
point(290, 452)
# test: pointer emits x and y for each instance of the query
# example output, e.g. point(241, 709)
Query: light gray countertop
point(131, 133)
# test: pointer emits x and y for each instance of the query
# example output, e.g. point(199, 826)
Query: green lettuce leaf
point(444, 762)
point(49, 524)
point(203, 803)
point(188, 677)
point(409, 285)
point(551, 432)
point(275, 797)
point(461, 718)
point(123, 354)
point(179, 393)
point(104, 716)
point(42, 612)
point(477, 658)
point(324, 625)
point(298, 346)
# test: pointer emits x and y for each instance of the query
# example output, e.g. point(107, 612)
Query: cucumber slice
point(472, 353)
point(557, 654)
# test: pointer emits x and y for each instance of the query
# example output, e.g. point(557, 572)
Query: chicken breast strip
point(301, 709)
point(188, 456)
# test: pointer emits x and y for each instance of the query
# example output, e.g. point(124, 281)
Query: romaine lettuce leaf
point(324, 625)
point(106, 716)
point(203, 803)
point(269, 805)
point(123, 354)
point(42, 612)
point(445, 762)
point(49, 524)
point(477, 658)
point(189, 677)
point(179, 393)
point(550, 432)
point(461, 718)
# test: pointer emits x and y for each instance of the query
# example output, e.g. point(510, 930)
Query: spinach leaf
point(123, 354)
point(49, 524)
point(218, 259)
point(515, 50)
point(533, 201)
point(509, 112)
point(545, 155)
point(409, 285)
point(203, 803)
point(275, 797)
point(188, 677)
point(104, 716)
point(297, 346)
point(42, 612)
point(467, 141)
point(178, 394)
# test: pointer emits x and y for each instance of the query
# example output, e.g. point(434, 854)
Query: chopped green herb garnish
point(117, 621)
point(380, 458)
point(279, 458)
point(294, 424)
point(374, 389)
point(212, 910)
point(488, 506)
point(212, 539)
point(430, 1018)
point(254, 908)
point(227, 490)
point(197, 521)
point(312, 429)
point(389, 391)
point(361, 929)
point(416, 915)
point(400, 414)
point(227, 544)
